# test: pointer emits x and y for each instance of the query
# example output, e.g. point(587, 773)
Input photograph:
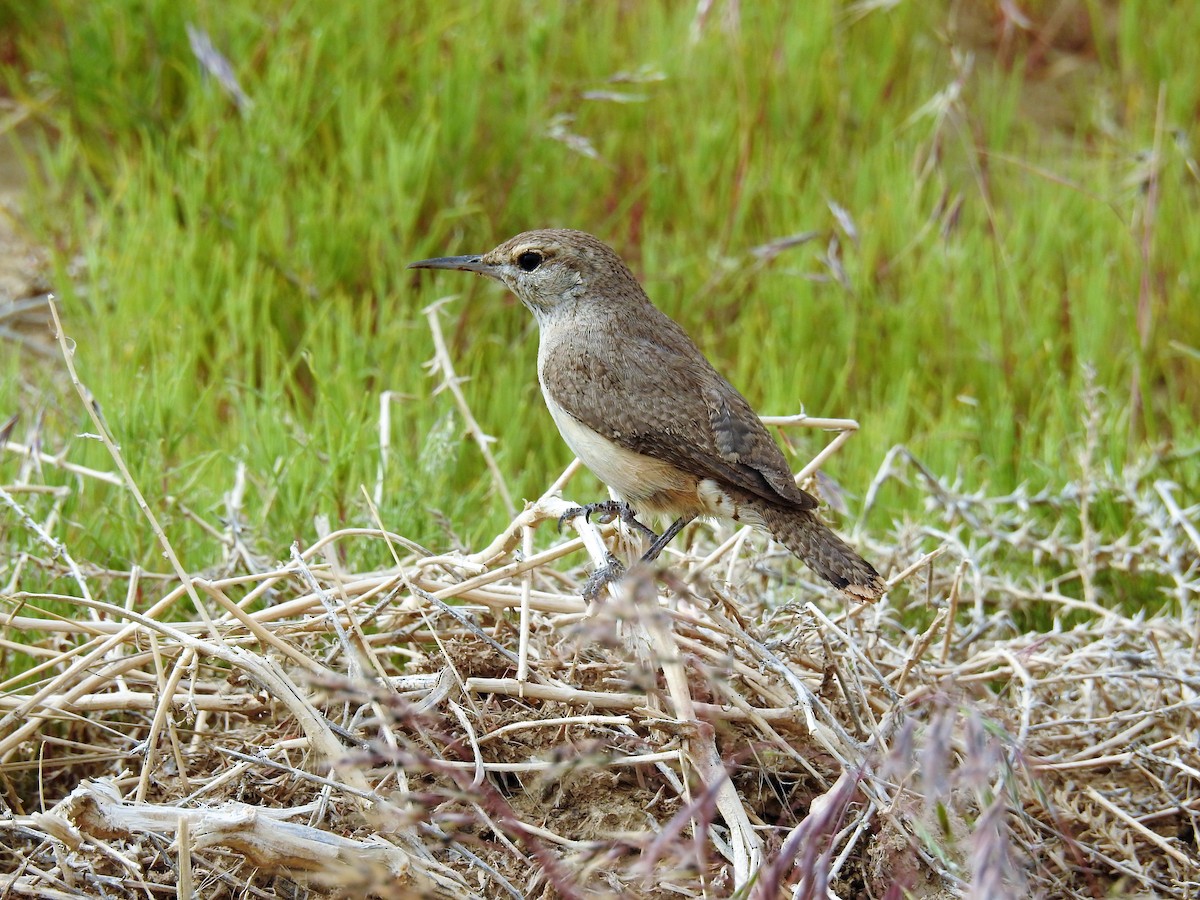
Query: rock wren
point(640, 405)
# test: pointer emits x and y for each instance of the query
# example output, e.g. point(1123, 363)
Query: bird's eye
point(529, 260)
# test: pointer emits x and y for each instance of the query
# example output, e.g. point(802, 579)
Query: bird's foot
point(611, 571)
point(606, 511)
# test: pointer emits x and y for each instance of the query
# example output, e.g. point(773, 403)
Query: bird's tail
point(824, 552)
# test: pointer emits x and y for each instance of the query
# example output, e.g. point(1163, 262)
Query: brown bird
point(640, 405)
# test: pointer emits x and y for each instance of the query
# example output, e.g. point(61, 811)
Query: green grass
point(244, 298)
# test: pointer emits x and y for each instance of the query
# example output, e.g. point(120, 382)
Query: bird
point(643, 408)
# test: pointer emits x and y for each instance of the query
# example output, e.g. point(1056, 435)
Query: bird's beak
point(461, 263)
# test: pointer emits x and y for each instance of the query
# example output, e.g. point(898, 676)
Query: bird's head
point(550, 271)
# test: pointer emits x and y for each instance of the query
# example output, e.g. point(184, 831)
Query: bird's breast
point(649, 485)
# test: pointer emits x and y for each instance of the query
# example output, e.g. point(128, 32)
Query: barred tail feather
point(825, 553)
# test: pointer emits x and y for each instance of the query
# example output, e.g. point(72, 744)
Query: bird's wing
point(673, 406)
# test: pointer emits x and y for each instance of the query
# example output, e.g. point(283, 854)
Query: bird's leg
point(607, 510)
point(661, 541)
point(611, 571)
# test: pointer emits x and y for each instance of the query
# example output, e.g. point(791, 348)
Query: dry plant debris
point(461, 725)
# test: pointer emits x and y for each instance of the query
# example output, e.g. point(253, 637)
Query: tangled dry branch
point(463, 725)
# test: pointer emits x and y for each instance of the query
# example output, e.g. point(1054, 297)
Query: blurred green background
point(993, 196)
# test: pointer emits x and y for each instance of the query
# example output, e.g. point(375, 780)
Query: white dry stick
point(560, 482)
point(722, 549)
point(262, 836)
point(855, 648)
point(735, 554)
point(1163, 489)
point(547, 765)
point(89, 404)
point(635, 704)
point(332, 614)
point(916, 566)
point(526, 589)
point(267, 671)
point(441, 363)
point(59, 463)
point(568, 695)
point(887, 469)
point(65, 686)
point(264, 636)
point(183, 842)
point(1152, 836)
point(558, 722)
point(186, 662)
point(865, 819)
point(700, 743)
point(385, 442)
point(846, 428)
point(233, 513)
point(549, 506)
point(472, 740)
point(919, 646)
point(57, 548)
point(952, 610)
point(1027, 695)
point(109, 701)
point(1186, 610)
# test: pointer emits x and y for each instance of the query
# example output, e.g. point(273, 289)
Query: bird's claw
point(607, 511)
point(570, 514)
point(611, 571)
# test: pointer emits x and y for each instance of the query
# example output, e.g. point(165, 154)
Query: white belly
point(631, 475)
